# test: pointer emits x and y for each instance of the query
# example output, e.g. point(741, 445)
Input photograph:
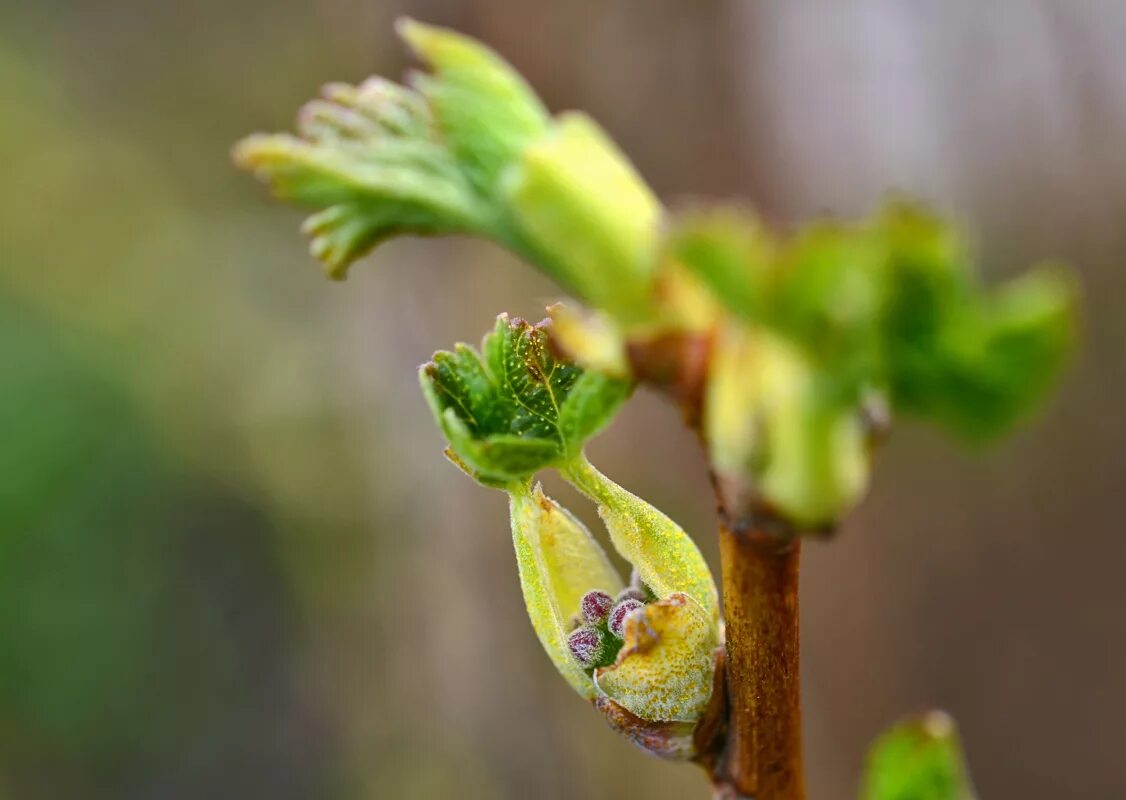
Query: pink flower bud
point(588, 646)
point(619, 613)
point(595, 606)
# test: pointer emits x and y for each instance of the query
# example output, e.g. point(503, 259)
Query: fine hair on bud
point(618, 615)
point(595, 606)
point(589, 646)
point(632, 593)
point(638, 588)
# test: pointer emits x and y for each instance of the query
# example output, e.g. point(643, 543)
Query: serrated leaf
point(516, 408)
point(593, 399)
point(664, 670)
point(995, 360)
point(468, 149)
point(559, 561)
point(576, 196)
point(919, 759)
point(372, 178)
point(887, 309)
point(383, 160)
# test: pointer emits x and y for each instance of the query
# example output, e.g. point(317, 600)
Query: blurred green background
point(232, 560)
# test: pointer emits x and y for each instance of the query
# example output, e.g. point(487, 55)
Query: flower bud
point(665, 668)
point(595, 606)
point(618, 615)
point(591, 647)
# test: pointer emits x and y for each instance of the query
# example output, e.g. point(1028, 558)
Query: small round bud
point(595, 606)
point(619, 613)
point(632, 593)
point(588, 646)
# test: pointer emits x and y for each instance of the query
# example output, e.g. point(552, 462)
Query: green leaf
point(995, 360)
point(467, 149)
point(515, 407)
point(733, 253)
point(832, 297)
point(975, 361)
point(919, 759)
point(576, 196)
point(371, 161)
point(839, 318)
point(485, 110)
point(381, 160)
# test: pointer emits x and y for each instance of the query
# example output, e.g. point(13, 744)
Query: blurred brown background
point(232, 560)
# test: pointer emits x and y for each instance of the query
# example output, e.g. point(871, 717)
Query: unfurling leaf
point(370, 159)
point(838, 320)
point(486, 112)
point(515, 408)
point(466, 149)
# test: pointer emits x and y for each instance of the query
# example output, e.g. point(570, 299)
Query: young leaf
point(733, 254)
point(381, 160)
point(486, 112)
point(371, 161)
point(515, 408)
point(467, 149)
point(993, 360)
point(919, 759)
point(838, 316)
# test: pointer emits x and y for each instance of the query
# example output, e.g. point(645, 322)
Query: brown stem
point(763, 757)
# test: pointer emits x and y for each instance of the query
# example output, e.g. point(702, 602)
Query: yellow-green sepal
point(559, 561)
point(664, 555)
point(664, 670)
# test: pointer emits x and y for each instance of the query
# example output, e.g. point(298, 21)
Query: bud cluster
point(600, 624)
